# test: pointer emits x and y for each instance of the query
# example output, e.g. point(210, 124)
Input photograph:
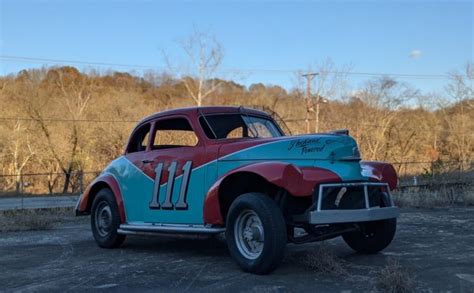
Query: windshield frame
point(244, 117)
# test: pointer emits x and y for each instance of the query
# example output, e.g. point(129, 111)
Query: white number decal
point(167, 204)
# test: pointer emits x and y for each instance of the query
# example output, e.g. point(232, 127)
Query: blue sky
point(373, 36)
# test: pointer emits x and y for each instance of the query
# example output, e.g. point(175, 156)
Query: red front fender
point(297, 181)
point(105, 181)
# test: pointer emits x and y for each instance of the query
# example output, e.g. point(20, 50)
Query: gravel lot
point(435, 247)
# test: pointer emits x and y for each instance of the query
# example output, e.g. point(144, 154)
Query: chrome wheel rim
point(248, 234)
point(103, 219)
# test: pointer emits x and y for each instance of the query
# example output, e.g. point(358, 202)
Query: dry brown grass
point(33, 219)
point(322, 259)
point(393, 279)
point(424, 198)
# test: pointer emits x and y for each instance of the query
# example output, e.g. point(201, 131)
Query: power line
point(63, 61)
point(345, 123)
point(11, 58)
point(67, 120)
point(326, 120)
point(423, 162)
point(336, 121)
point(48, 174)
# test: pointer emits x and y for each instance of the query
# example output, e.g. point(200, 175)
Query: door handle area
point(147, 161)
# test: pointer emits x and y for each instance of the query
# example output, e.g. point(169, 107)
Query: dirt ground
point(434, 247)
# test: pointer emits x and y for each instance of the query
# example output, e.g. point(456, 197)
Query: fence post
point(21, 183)
point(81, 181)
point(432, 172)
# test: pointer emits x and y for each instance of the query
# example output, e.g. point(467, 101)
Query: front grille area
point(347, 196)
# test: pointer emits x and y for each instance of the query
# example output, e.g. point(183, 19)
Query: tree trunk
point(18, 183)
point(67, 180)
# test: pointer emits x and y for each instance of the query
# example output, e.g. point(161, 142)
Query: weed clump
point(393, 279)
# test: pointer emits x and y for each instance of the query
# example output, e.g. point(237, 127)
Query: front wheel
point(372, 236)
point(256, 233)
point(105, 220)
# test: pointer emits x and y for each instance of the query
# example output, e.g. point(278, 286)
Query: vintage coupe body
point(210, 170)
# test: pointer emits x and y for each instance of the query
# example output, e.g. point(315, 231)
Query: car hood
point(325, 147)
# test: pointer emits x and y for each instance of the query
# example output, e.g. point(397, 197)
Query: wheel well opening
point(93, 192)
point(240, 183)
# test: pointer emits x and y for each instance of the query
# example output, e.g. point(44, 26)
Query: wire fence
point(411, 174)
point(52, 183)
point(433, 173)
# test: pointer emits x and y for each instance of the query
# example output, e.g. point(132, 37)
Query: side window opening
point(228, 126)
point(264, 129)
point(172, 133)
point(224, 126)
point(236, 133)
point(139, 139)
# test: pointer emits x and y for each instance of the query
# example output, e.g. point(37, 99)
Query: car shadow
point(201, 245)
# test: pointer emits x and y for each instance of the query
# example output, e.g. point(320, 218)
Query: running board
point(148, 229)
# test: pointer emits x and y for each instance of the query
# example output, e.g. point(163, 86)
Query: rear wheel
point(105, 220)
point(372, 236)
point(256, 233)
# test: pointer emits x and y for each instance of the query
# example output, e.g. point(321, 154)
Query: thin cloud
point(415, 54)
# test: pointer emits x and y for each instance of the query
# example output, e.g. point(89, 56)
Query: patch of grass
point(468, 196)
point(322, 259)
point(393, 279)
point(33, 219)
point(424, 198)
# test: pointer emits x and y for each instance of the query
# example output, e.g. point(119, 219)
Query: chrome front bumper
point(330, 216)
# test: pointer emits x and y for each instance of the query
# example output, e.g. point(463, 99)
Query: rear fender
point(380, 172)
point(296, 181)
point(104, 181)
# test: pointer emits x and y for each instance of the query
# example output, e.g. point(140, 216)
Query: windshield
point(238, 126)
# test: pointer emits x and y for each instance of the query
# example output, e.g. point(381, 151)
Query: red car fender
point(100, 182)
point(381, 172)
point(297, 181)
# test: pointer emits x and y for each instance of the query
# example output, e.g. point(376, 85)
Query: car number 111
point(181, 204)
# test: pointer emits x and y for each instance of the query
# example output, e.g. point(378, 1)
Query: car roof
point(204, 110)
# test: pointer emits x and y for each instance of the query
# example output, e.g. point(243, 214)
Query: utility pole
point(309, 77)
point(316, 126)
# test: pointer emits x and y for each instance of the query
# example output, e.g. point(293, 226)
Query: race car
point(232, 170)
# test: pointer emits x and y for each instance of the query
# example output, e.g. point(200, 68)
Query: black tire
point(372, 237)
point(270, 219)
point(105, 229)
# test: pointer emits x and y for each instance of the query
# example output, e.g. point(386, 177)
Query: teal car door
point(173, 192)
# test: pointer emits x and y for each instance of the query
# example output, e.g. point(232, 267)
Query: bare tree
point(459, 119)
point(20, 152)
point(381, 100)
point(204, 56)
point(70, 90)
point(76, 95)
point(53, 172)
